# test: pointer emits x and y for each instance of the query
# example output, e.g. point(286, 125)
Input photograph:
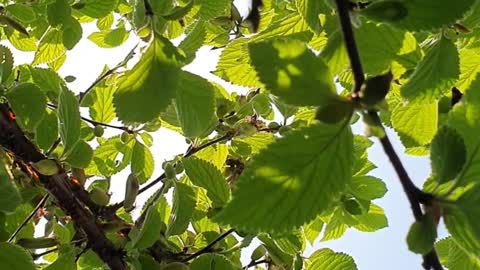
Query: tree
point(408, 65)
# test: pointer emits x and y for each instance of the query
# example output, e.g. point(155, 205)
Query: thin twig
point(254, 263)
point(109, 72)
point(93, 122)
point(190, 151)
point(96, 123)
point(40, 204)
point(39, 255)
point(350, 44)
point(209, 246)
point(413, 193)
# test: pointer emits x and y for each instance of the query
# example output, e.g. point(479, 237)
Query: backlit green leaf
point(96, 9)
point(448, 154)
point(68, 120)
point(81, 155)
point(142, 94)
point(421, 14)
point(28, 103)
point(205, 175)
point(309, 180)
point(142, 162)
point(327, 259)
point(416, 123)
point(435, 74)
point(50, 48)
point(184, 200)
point(289, 70)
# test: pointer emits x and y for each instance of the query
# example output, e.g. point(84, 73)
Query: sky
point(384, 249)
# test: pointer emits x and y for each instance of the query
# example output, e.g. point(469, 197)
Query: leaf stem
point(413, 193)
point(209, 246)
point(40, 204)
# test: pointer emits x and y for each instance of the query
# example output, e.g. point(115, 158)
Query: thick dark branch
point(148, 8)
point(413, 193)
point(350, 44)
point(13, 139)
point(209, 246)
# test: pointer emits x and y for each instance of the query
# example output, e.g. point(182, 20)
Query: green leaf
point(234, 65)
point(66, 260)
point(336, 227)
point(379, 45)
point(309, 180)
point(207, 176)
point(68, 120)
point(21, 12)
point(215, 154)
point(184, 200)
point(28, 103)
point(15, 257)
point(461, 219)
point(47, 131)
point(58, 12)
point(110, 38)
point(334, 53)
point(20, 41)
point(367, 187)
point(435, 74)
point(310, 11)
point(292, 72)
point(9, 196)
point(469, 68)
point(105, 23)
point(418, 15)
point(422, 235)
point(465, 119)
point(194, 40)
point(102, 109)
point(327, 259)
point(103, 162)
point(416, 123)
point(6, 63)
point(142, 162)
point(211, 261)
point(96, 9)
point(312, 230)
point(72, 33)
point(50, 48)
point(195, 104)
point(48, 81)
point(448, 154)
point(141, 93)
point(210, 9)
point(371, 221)
point(454, 257)
point(81, 155)
point(150, 230)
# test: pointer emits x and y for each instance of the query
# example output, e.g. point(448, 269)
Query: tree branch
point(209, 246)
point(350, 44)
point(413, 193)
point(13, 139)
